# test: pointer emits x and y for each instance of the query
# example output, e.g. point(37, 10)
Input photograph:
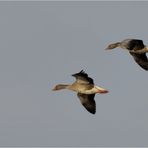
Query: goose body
point(85, 88)
point(136, 48)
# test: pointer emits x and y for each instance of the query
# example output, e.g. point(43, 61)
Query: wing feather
point(135, 44)
point(141, 60)
point(82, 77)
point(88, 102)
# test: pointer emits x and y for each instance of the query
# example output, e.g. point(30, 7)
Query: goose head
point(112, 46)
point(59, 87)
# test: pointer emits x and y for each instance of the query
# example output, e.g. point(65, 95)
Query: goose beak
point(54, 89)
point(107, 48)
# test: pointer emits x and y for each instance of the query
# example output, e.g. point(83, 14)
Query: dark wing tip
point(84, 76)
point(92, 111)
point(144, 67)
point(82, 72)
point(141, 60)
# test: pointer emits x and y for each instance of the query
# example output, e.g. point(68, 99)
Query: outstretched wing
point(88, 102)
point(82, 77)
point(135, 44)
point(141, 59)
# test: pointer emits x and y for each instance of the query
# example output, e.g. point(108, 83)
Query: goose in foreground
point(136, 48)
point(85, 88)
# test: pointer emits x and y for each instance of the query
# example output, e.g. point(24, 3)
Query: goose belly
point(82, 88)
point(88, 91)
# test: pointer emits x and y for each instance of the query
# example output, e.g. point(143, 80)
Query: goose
point(85, 88)
point(136, 48)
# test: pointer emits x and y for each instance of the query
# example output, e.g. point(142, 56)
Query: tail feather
point(101, 90)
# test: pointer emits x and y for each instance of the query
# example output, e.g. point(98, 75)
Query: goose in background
point(136, 48)
point(85, 88)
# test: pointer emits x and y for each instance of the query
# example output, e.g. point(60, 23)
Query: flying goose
point(136, 48)
point(85, 88)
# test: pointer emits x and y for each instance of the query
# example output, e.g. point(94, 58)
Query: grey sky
point(42, 44)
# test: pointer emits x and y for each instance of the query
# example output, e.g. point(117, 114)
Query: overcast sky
point(42, 44)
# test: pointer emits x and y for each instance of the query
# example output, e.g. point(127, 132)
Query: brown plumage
point(85, 88)
point(136, 48)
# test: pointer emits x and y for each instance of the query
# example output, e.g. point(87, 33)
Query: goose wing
point(82, 77)
point(88, 102)
point(135, 44)
point(141, 60)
